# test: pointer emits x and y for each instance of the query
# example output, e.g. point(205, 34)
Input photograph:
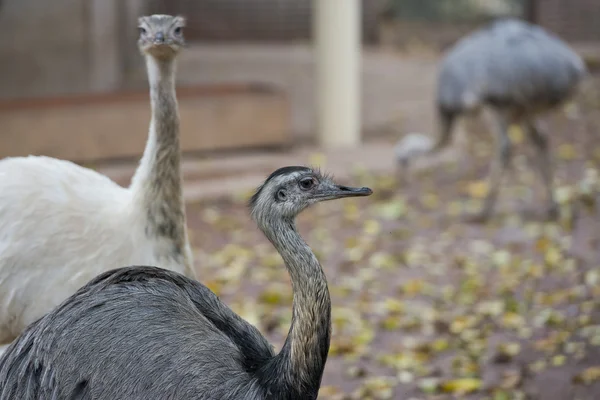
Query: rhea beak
point(159, 38)
point(339, 191)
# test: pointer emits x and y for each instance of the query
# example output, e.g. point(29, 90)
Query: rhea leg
point(500, 161)
point(446, 123)
point(540, 141)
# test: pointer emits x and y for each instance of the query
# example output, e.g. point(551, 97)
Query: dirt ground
point(425, 304)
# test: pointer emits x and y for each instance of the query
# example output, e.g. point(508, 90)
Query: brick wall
point(573, 20)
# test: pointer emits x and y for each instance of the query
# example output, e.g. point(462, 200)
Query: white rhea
point(63, 224)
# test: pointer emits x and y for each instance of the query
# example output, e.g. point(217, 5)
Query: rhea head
point(289, 190)
point(161, 36)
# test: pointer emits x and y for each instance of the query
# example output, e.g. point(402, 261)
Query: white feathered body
point(60, 226)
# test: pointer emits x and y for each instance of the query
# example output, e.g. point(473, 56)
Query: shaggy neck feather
point(157, 184)
point(302, 359)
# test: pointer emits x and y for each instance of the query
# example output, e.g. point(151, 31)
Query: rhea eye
point(142, 30)
point(307, 183)
point(177, 31)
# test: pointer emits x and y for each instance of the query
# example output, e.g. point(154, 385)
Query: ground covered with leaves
point(426, 305)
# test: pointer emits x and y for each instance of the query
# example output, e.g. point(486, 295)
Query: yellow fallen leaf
point(535, 271)
point(542, 244)
point(511, 380)
point(405, 377)
point(341, 346)
point(505, 352)
point(430, 200)
point(351, 242)
point(478, 189)
point(461, 386)
point(512, 320)
point(566, 152)
point(385, 183)
point(276, 294)
point(394, 306)
point(328, 391)
point(440, 345)
point(588, 375)
point(390, 323)
point(413, 287)
point(592, 277)
point(429, 385)
point(501, 395)
point(372, 227)
point(461, 323)
point(553, 257)
point(454, 208)
point(564, 194)
point(379, 388)
point(501, 258)
point(538, 366)
point(558, 360)
point(515, 133)
point(354, 371)
point(215, 286)
point(392, 210)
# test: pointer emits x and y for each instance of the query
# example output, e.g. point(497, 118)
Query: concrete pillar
point(337, 36)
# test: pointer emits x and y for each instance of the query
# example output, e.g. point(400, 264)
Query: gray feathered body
point(142, 333)
point(516, 71)
point(508, 64)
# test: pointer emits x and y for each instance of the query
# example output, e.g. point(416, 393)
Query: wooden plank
point(105, 126)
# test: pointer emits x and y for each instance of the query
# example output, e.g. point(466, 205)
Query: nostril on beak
point(344, 188)
point(159, 37)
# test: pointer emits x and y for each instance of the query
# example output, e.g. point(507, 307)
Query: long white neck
point(157, 183)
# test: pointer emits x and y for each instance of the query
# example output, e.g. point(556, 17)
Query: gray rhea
point(147, 333)
point(160, 41)
point(516, 71)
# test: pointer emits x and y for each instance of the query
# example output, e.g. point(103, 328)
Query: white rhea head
point(161, 36)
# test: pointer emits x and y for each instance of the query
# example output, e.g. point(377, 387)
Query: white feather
point(61, 226)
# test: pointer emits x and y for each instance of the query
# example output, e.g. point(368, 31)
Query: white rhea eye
point(178, 31)
point(307, 183)
point(142, 30)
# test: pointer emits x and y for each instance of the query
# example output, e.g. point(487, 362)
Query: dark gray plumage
point(516, 69)
point(147, 333)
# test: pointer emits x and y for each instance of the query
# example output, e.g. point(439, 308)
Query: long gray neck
point(302, 359)
point(157, 183)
